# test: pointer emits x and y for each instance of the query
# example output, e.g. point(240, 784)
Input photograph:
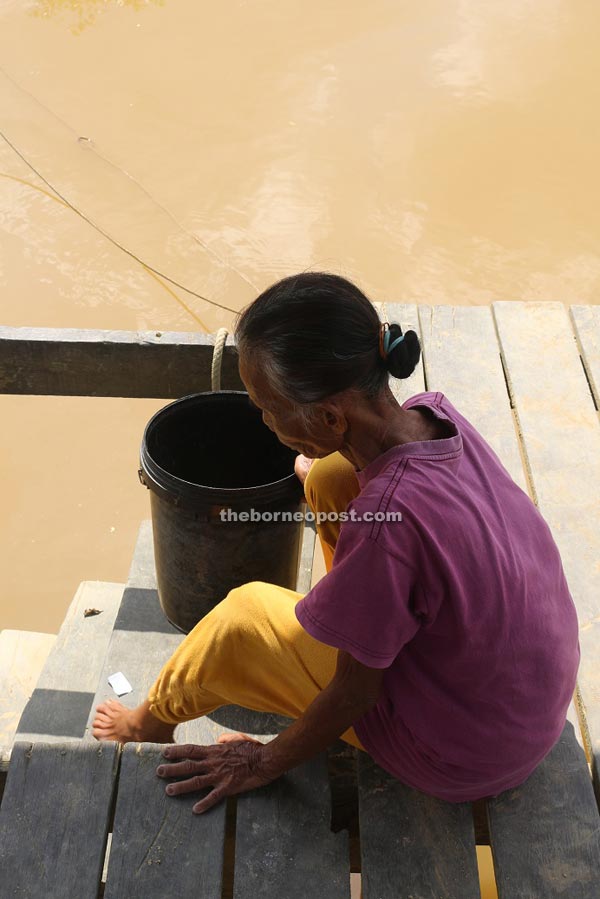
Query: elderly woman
point(443, 639)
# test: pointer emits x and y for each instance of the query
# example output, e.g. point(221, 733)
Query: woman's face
point(281, 416)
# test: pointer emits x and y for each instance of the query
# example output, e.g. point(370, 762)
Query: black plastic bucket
point(207, 458)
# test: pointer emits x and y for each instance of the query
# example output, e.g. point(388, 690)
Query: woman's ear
point(334, 418)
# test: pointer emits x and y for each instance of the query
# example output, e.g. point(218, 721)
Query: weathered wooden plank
point(142, 572)
point(545, 834)
point(413, 844)
point(70, 362)
point(462, 360)
point(407, 316)
point(159, 847)
point(142, 642)
point(261, 725)
point(23, 654)
point(284, 845)
point(561, 435)
point(586, 322)
point(59, 706)
point(54, 819)
point(573, 717)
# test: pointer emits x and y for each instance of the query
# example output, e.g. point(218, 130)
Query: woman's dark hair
point(317, 334)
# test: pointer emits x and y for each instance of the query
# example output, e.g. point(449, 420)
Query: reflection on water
point(80, 14)
point(473, 65)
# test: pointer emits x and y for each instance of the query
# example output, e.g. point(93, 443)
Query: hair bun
point(403, 359)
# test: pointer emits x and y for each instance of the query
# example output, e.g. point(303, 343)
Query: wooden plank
point(586, 322)
point(462, 360)
point(284, 845)
point(407, 316)
point(262, 725)
point(23, 654)
point(54, 819)
point(477, 385)
point(545, 834)
point(413, 844)
point(561, 435)
point(159, 847)
point(59, 706)
point(142, 572)
point(70, 362)
point(142, 642)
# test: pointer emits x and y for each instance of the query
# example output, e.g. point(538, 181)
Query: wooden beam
point(284, 843)
point(545, 834)
point(586, 322)
point(462, 359)
point(70, 362)
point(413, 844)
point(55, 817)
point(60, 704)
point(159, 846)
point(559, 425)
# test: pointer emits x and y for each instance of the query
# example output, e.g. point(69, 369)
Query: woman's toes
point(234, 738)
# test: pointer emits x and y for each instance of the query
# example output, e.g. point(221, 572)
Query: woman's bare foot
point(115, 722)
point(233, 738)
point(302, 467)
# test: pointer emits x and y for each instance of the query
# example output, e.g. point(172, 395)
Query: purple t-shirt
point(464, 602)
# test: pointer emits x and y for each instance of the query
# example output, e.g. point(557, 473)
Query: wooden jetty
point(81, 818)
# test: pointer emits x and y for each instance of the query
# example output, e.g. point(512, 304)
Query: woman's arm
point(231, 768)
point(354, 689)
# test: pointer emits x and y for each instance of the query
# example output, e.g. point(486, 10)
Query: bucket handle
point(217, 359)
point(215, 380)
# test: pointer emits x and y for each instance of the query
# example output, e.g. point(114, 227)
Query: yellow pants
point(250, 650)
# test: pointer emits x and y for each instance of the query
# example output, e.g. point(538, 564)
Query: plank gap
point(111, 821)
point(102, 885)
point(354, 846)
point(508, 390)
point(587, 743)
point(515, 417)
point(422, 343)
point(589, 383)
point(480, 822)
point(342, 769)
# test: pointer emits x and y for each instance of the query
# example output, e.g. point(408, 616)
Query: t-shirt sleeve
point(362, 606)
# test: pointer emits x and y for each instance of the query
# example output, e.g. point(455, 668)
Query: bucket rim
point(188, 491)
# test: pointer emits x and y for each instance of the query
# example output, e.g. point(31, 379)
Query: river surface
point(161, 162)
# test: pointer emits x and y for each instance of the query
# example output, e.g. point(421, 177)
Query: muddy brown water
point(155, 153)
point(156, 156)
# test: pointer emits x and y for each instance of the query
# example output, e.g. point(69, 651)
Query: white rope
point(215, 371)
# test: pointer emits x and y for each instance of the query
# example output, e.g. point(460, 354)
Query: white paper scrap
point(120, 684)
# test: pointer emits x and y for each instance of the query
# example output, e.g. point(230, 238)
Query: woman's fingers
point(184, 751)
point(199, 782)
point(180, 769)
point(231, 767)
point(215, 796)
